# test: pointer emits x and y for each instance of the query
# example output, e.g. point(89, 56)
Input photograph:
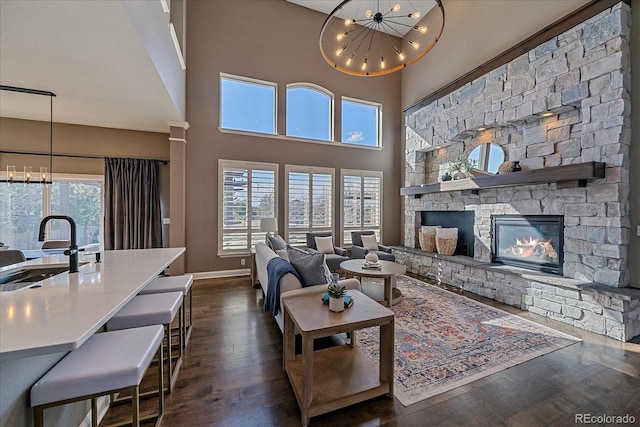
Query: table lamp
point(269, 225)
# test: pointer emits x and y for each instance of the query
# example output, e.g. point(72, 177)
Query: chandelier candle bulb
point(27, 174)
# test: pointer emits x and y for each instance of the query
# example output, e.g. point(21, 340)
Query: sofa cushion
point(276, 242)
point(282, 253)
point(310, 266)
point(325, 244)
point(369, 242)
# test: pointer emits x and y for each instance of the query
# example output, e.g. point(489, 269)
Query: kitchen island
point(39, 325)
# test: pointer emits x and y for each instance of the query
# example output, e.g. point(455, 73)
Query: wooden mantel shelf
point(579, 173)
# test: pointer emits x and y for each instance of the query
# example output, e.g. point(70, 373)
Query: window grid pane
point(362, 205)
point(310, 204)
point(360, 123)
point(245, 190)
point(247, 106)
point(308, 114)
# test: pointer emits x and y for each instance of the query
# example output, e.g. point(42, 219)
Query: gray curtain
point(132, 204)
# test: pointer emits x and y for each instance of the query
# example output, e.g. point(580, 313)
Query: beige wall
point(275, 41)
point(33, 136)
point(634, 179)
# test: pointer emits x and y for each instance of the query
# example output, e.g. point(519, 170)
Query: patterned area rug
point(445, 340)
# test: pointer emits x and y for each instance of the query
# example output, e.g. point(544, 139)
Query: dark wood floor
point(232, 376)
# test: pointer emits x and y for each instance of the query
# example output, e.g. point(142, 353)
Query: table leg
point(388, 289)
point(289, 349)
point(307, 378)
point(352, 338)
point(386, 354)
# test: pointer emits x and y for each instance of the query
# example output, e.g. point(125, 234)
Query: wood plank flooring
point(232, 376)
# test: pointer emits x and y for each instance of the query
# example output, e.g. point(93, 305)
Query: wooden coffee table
point(335, 377)
point(387, 271)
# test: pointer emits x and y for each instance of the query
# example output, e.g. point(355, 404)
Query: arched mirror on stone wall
point(488, 157)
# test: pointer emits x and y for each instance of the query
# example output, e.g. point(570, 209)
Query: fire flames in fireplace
point(530, 247)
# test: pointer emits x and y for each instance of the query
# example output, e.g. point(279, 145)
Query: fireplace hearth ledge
point(607, 310)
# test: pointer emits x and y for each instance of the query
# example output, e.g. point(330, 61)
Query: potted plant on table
point(336, 297)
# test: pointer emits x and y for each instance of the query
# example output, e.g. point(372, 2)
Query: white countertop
point(68, 308)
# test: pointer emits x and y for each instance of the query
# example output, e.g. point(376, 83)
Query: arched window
point(309, 112)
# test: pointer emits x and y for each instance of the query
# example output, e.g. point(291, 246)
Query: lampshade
point(270, 225)
point(375, 37)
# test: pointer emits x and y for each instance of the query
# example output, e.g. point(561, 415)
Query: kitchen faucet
point(72, 252)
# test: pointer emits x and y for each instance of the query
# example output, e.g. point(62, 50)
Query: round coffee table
point(387, 271)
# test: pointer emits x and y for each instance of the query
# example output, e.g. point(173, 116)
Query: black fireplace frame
point(531, 219)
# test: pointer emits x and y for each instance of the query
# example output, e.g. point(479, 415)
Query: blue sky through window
point(359, 123)
point(308, 114)
point(247, 106)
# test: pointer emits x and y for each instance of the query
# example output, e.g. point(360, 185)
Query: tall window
point(309, 201)
point(309, 112)
point(248, 192)
point(22, 207)
point(361, 203)
point(361, 121)
point(247, 104)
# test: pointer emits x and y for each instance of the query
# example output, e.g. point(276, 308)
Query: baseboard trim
point(221, 274)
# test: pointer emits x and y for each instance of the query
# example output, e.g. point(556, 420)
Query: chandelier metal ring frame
point(377, 41)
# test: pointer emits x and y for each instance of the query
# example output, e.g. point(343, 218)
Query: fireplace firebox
point(529, 241)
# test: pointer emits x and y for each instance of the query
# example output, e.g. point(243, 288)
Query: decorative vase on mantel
point(446, 177)
point(516, 166)
point(459, 175)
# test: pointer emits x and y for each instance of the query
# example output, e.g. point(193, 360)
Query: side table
point(353, 377)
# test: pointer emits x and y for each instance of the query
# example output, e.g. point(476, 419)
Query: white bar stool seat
point(153, 309)
point(105, 363)
point(175, 284)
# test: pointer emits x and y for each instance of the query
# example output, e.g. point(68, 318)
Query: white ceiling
point(356, 9)
point(90, 55)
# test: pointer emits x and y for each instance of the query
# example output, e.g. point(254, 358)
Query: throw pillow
point(276, 242)
point(310, 266)
point(325, 245)
point(369, 242)
point(282, 253)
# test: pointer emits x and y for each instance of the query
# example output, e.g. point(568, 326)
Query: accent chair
point(358, 250)
point(333, 259)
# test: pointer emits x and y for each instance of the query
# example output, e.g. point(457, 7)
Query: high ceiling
point(90, 55)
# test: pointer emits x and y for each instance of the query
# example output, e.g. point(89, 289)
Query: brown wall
point(634, 179)
point(33, 136)
point(274, 41)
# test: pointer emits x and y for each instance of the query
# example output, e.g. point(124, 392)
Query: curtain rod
point(77, 156)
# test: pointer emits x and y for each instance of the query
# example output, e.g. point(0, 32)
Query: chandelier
point(375, 37)
point(30, 176)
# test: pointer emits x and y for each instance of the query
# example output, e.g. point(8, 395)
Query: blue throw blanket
point(276, 268)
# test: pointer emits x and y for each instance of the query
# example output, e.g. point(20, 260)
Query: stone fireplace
point(565, 102)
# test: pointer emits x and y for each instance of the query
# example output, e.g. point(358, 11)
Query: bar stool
point(175, 284)
point(153, 309)
point(106, 363)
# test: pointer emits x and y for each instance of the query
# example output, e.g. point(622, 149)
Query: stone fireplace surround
point(581, 76)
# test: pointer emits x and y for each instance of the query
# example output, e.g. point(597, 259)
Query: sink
point(17, 279)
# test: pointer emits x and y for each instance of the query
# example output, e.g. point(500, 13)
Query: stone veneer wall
point(583, 77)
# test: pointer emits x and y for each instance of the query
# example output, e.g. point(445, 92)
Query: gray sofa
point(289, 284)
